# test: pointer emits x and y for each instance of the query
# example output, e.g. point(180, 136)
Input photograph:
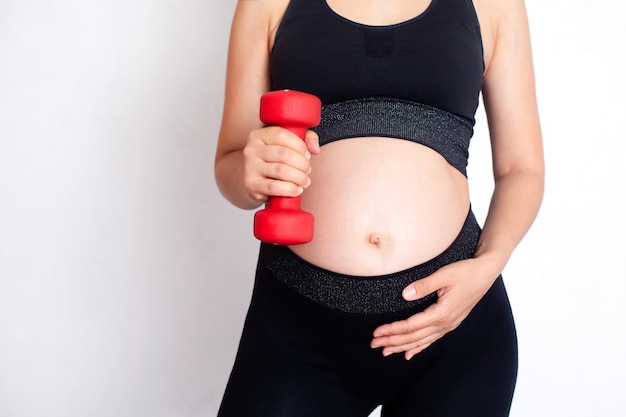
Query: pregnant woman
point(398, 300)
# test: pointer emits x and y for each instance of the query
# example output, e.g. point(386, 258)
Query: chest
point(434, 58)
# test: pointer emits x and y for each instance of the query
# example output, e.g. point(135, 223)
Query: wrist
point(490, 263)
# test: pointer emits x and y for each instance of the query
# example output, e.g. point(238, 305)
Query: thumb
point(419, 289)
point(312, 141)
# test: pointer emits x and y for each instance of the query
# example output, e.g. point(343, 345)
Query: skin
point(253, 162)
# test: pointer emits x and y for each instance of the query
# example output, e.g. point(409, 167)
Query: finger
point(421, 320)
point(312, 142)
point(422, 287)
point(409, 354)
point(287, 173)
point(271, 187)
point(409, 337)
point(283, 137)
point(285, 155)
point(402, 339)
point(423, 344)
point(412, 348)
point(278, 145)
point(275, 179)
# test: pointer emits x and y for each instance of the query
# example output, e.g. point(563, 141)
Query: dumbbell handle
point(288, 203)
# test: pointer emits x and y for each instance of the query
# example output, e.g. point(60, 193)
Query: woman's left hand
point(459, 287)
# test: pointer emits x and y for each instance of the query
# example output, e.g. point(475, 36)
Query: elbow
point(528, 180)
point(532, 171)
point(529, 165)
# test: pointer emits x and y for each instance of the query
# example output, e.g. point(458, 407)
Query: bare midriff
point(381, 205)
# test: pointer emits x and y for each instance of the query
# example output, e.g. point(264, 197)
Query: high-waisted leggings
point(305, 348)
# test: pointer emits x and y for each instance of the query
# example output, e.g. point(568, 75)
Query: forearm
point(229, 176)
point(515, 203)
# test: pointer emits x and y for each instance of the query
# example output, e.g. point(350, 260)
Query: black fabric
point(446, 133)
point(435, 58)
point(301, 358)
point(367, 295)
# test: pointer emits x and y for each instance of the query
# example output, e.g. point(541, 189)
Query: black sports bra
point(400, 80)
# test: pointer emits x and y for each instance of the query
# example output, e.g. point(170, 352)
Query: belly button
point(376, 240)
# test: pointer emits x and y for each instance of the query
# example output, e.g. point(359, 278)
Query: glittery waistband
point(364, 295)
point(446, 133)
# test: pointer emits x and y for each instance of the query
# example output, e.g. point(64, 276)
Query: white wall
point(124, 276)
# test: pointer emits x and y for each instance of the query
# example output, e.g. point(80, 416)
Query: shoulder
point(501, 21)
point(499, 10)
point(260, 13)
point(254, 23)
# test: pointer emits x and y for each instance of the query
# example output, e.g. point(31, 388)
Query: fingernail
point(409, 293)
point(307, 155)
point(300, 190)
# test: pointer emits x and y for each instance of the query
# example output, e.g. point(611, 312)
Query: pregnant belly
point(381, 205)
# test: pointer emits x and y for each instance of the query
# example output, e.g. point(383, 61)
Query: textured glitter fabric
point(364, 295)
point(446, 133)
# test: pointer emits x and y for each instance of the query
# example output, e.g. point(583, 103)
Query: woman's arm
point(510, 103)
point(518, 164)
point(253, 162)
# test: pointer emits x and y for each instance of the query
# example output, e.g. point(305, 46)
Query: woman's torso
point(381, 204)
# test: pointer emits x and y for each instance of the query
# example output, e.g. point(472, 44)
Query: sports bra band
point(446, 133)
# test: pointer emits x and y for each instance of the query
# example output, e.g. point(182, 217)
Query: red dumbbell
point(283, 222)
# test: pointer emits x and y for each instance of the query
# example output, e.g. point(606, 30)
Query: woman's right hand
point(277, 162)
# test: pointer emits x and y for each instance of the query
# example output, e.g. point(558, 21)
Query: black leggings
point(305, 349)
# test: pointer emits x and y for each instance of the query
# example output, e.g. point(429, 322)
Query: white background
point(125, 277)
